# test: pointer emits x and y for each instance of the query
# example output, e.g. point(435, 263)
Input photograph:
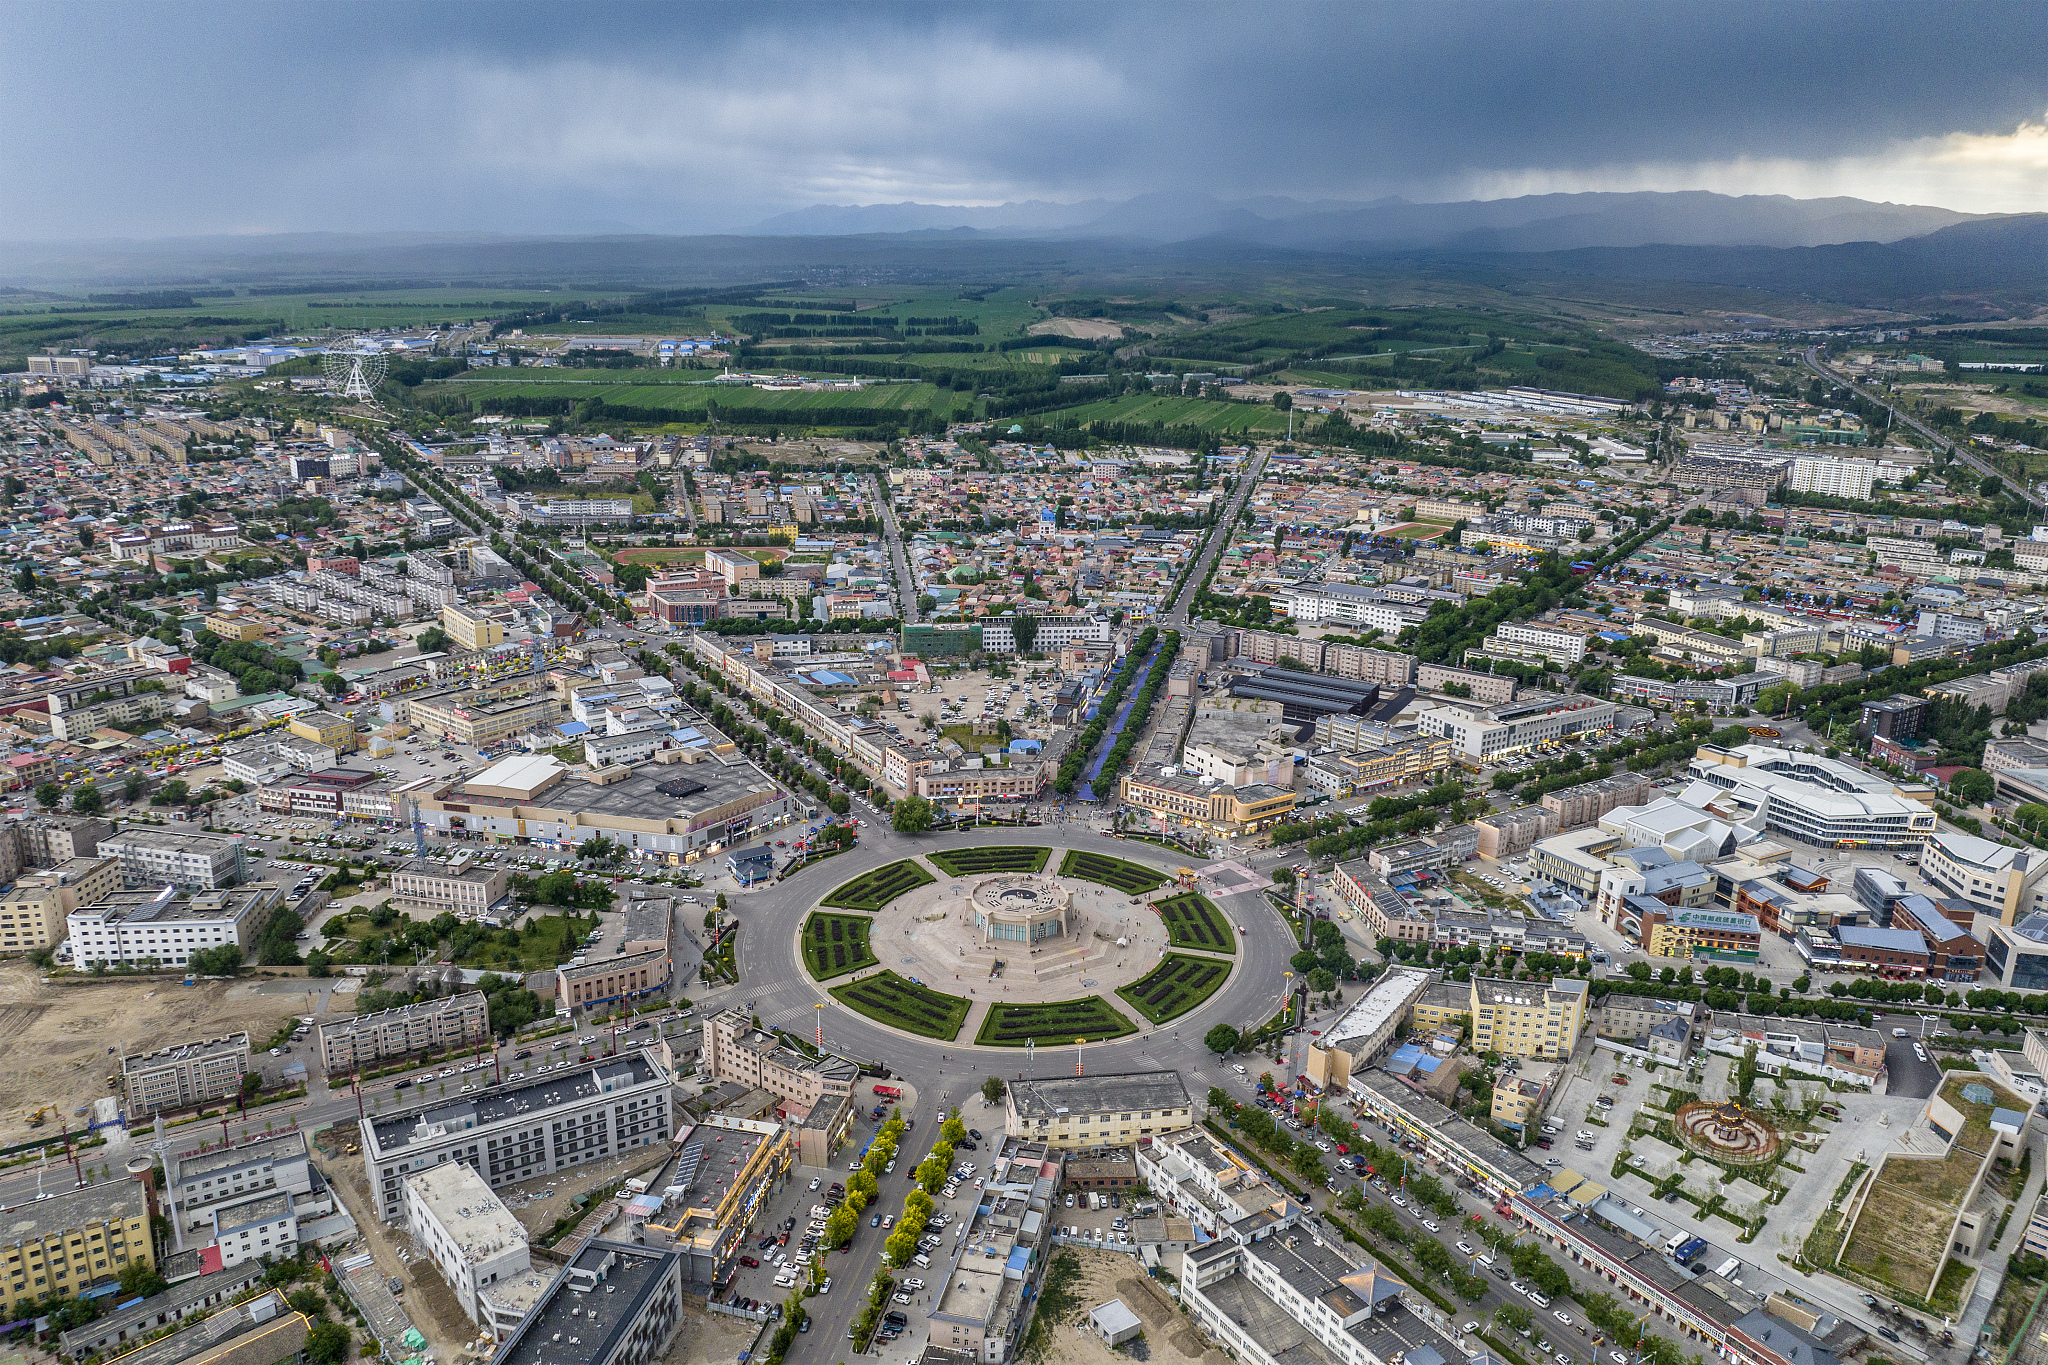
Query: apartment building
point(453, 1021)
point(613, 982)
point(1387, 912)
point(734, 1050)
point(1527, 1018)
point(1511, 833)
point(33, 910)
point(1559, 646)
point(1489, 689)
point(1202, 1180)
point(1080, 1113)
point(186, 1074)
point(242, 629)
point(467, 890)
point(467, 718)
point(471, 630)
point(73, 1241)
point(156, 857)
point(1587, 802)
point(166, 926)
point(124, 698)
point(593, 1112)
point(52, 840)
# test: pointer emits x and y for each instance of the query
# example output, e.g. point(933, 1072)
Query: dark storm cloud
point(150, 119)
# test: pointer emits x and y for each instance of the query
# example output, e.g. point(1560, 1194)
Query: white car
point(1465, 1249)
point(1919, 1053)
point(1431, 1225)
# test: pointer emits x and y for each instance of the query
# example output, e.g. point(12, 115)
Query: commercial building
point(734, 1050)
point(1999, 880)
point(1387, 912)
point(198, 1182)
point(1487, 734)
point(462, 888)
point(592, 1112)
point(1364, 1032)
point(612, 983)
point(477, 1245)
point(1080, 1113)
point(324, 728)
point(453, 1021)
point(2017, 954)
point(1724, 935)
point(185, 1074)
point(682, 810)
point(1189, 802)
point(73, 1241)
point(1202, 1180)
point(1527, 1018)
point(1407, 1113)
point(1815, 798)
point(467, 718)
point(155, 857)
point(167, 927)
point(1890, 952)
point(471, 630)
point(613, 1304)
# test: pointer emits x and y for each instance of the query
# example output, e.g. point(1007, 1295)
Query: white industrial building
point(1486, 734)
point(476, 1243)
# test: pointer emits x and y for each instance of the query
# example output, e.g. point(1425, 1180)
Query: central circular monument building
point(1022, 908)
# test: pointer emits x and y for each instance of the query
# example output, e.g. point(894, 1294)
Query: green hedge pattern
point(1053, 1023)
point(898, 1002)
point(1132, 879)
point(975, 862)
point(870, 891)
point(1175, 986)
point(836, 944)
point(1193, 921)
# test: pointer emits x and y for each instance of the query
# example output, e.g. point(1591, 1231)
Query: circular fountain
point(1726, 1131)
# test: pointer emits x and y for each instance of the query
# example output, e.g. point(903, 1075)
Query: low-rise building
point(186, 1074)
point(1367, 1028)
point(196, 1183)
point(613, 1304)
point(1187, 802)
point(465, 889)
point(1081, 1113)
point(166, 927)
point(613, 982)
point(188, 860)
point(262, 1227)
point(1387, 912)
point(452, 1021)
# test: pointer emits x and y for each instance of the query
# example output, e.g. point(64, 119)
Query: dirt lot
point(63, 1041)
point(1170, 1337)
point(1084, 329)
point(707, 1338)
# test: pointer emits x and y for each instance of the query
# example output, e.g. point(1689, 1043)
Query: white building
point(197, 1183)
point(1561, 646)
point(1486, 734)
point(1833, 476)
point(1350, 604)
point(587, 1114)
point(998, 634)
point(151, 857)
point(259, 1229)
point(478, 1246)
point(1817, 799)
point(166, 927)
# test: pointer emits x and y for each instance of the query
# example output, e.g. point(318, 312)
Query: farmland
point(1194, 412)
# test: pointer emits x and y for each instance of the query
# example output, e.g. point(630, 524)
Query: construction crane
point(35, 1120)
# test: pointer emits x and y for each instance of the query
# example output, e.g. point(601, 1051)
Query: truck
point(889, 1092)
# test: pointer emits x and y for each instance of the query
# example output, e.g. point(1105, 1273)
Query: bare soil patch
point(1083, 329)
point(1171, 1338)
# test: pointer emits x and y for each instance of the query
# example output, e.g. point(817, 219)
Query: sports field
point(1415, 530)
point(659, 554)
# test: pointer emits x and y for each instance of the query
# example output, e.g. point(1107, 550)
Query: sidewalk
point(1978, 1310)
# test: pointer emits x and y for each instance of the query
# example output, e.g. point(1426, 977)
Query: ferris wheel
point(354, 370)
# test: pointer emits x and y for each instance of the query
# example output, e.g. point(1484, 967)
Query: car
point(974, 1133)
point(1919, 1053)
point(1584, 1136)
point(1469, 1328)
point(900, 1298)
point(1619, 1357)
point(804, 1326)
point(913, 1283)
point(1400, 1200)
point(1465, 1248)
point(1562, 1316)
point(875, 1221)
point(764, 1244)
point(1518, 1286)
point(816, 1182)
point(1562, 1358)
point(1888, 1334)
point(1899, 1033)
point(750, 1262)
point(1431, 1225)
point(1538, 1299)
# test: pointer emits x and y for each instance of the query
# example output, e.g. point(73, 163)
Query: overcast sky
point(157, 119)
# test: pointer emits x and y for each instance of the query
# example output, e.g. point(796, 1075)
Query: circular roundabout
point(1726, 1131)
point(1017, 945)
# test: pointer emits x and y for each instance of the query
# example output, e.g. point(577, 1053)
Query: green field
point(836, 944)
point(1059, 1021)
point(1175, 986)
point(1193, 921)
point(1132, 879)
point(872, 890)
point(1192, 412)
point(890, 999)
point(974, 862)
point(684, 398)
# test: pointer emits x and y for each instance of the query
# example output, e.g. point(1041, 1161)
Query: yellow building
point(467, 719)
point(1221, 810)
point(67, 1243)
point(1527, 1018)
point(234, 628)
point(1518, 1098)
point(471, 630)
point(32, 913)
point(324, 727)
point(1443, 1008)
point(1080, 1112)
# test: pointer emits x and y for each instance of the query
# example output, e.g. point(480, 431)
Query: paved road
point(906, 584)
point(1959, 451)
point(1176, 613)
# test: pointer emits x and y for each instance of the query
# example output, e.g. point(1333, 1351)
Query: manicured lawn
point(889, 999)
point(1053, 1023)
point(1130, 878)
point(1193, 921)
point(1175, 986)
point(871, 891)
point(836, 944)
point(971, 862)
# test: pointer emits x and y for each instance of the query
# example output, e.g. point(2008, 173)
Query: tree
point(992, 1089)
point(432, 640)
point(133, 786)
point(49, 795)
point(1972, 787)
point(901, 1246)
point(140, 1280)
point(1514, 1317)
point(252, 1085)
point(327, 1344)
point(86, 799)
point(913, 815)
point(1025, 629)
point(1222, 1040)
point(953, 1130)
point(1777, 699)
point(840, 1224)
point(1283, 400)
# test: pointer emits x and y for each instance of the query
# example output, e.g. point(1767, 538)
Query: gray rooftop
point(631, 1277)
point(180, 1052)
point(499, 1102)
point(199, 1165)
point(264, 1208)
point(108, 1201)
point(1134, 1090)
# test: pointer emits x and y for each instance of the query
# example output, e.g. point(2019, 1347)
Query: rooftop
point(262, 1208)
point(574, 1323)
point(430, 1123)
point(180, 1052)
point(1153, 1090)
point(108, 1201)
point(199, 1165)
point(459, 1200)
point(1387, 997)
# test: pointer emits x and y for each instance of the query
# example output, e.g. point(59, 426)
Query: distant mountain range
point(1542, 222)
